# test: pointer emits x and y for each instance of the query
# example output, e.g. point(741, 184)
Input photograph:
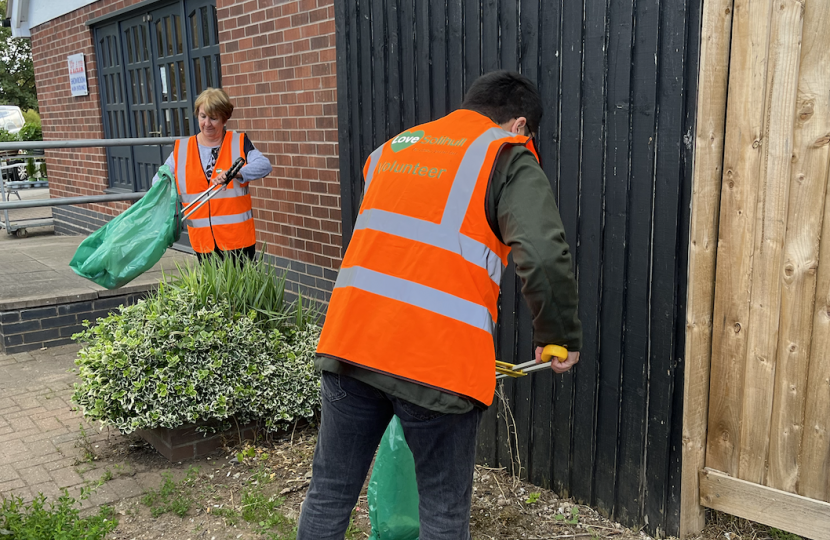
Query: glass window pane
point(144, 42)
point(120, 90)
point(167, 123)
point(136, 44)
point(217, 63)
point(159, 38)
point(163, 81)
point(208, 72)
point(150, 90)
point(109, 122)
point(122, 129)
point(194, 31)
point(174, 87)
point(205, 28)
point(129, 47)
point(182, 79)
point(137, 120)
point(215, 25)
point(134, 87)
point(107, 89)
point(177, 28)
point(197, 74)
point(186, 116)
point(176, 128)
point(142, 86)
point(104, 44)
point(169, 36)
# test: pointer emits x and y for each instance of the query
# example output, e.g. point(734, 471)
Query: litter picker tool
point(211, 192)
point(503, 369)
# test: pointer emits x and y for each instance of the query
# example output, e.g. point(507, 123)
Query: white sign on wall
point(77, 75)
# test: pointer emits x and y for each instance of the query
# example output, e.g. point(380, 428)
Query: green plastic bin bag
point(393, 491)
point(132, 242)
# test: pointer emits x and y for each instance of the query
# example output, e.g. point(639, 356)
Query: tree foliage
point(17, 78)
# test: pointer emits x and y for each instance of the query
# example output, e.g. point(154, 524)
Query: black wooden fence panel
point(618, 79)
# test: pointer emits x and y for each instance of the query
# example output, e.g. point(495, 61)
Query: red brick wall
point(278, 65)
point(79, 171)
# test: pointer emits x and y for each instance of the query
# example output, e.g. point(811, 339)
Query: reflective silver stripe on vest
point(373, 164)
point(222, 220)
point(227, 193)
point(417, 295)
point(433, 234)
point(181, 168)
point(235, 150)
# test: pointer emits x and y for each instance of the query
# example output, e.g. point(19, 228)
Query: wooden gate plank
point(741, 166)
point(393, 89)
point(706, 187)
point(815, 448)
point(472, 42)
point(438, 59)
point(664, 273)
point(455, 54)
point(814, 464)
point(770, 229)
point(630, 481)
point(786, 511)
point(344, 19)
point(408, 58)
point(423, 62)
point(570, 121)
point(615, 239)
point(589, 257)
point(808, 187)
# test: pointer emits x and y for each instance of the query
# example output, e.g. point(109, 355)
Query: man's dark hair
point(502, 95)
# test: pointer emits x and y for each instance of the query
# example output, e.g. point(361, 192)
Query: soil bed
point(259, 496)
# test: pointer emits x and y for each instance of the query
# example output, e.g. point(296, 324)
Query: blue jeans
point(354, 418)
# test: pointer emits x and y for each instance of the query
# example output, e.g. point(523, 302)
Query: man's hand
point(557, 364)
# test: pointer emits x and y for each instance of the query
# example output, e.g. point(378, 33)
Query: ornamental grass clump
point(216, 342)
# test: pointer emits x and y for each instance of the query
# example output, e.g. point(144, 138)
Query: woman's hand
point(220, 178)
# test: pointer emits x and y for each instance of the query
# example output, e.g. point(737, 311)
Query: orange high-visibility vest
point(417, 293)
point(226, 221)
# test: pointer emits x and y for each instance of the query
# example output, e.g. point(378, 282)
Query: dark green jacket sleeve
point(522, 207)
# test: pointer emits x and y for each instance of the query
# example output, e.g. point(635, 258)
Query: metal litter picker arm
point(503, 369)
point(210, 192)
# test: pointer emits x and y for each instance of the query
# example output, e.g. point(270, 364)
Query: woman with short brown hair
point(225, 224)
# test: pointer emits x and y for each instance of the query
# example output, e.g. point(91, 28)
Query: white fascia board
point(18, 12)
point(41, 11)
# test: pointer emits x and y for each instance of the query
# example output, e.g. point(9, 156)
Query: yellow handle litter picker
point(210, 192)
point(503, 369)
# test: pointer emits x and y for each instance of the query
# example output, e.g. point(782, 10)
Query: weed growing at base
point(60, 520)
point(255, 506)
point(171, 496)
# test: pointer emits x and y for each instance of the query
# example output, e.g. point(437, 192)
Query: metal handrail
point(79, 143)
point(87, 143)
point(66, 201)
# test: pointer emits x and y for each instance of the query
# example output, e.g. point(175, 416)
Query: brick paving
point(46, 447)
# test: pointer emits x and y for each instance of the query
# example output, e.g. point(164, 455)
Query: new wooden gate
point(767, 452)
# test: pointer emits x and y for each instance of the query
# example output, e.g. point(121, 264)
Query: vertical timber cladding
point(618, 80)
